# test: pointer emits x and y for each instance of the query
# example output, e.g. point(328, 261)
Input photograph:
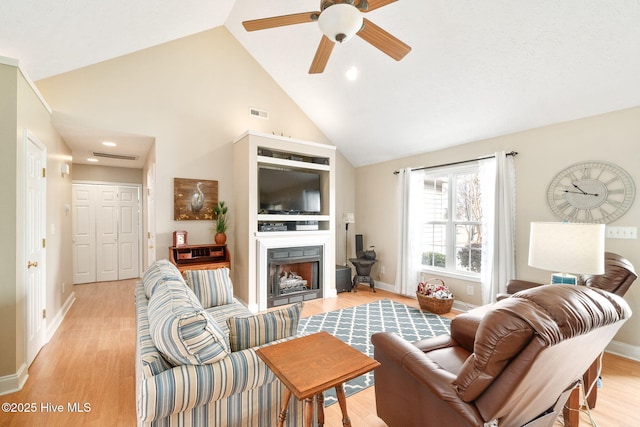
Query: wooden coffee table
point(312, 364)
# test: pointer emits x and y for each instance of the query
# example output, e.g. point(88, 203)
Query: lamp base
point(563, 279)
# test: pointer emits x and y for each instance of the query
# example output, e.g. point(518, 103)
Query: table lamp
point(567, 247)
point(347, 218)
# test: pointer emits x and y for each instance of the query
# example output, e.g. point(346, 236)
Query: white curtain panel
point(497, 178)
point(410, 191)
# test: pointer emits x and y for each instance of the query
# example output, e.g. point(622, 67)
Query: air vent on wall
point(114, 156)
point(259, 113)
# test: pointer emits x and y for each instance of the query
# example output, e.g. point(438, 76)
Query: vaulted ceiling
point(476, 69)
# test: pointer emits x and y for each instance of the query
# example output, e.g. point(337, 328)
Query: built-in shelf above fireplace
point(256, 230)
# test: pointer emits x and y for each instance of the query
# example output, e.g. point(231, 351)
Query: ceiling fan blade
point(384, 41)
point(377, 4)
point(322, 55)
point(280, 21)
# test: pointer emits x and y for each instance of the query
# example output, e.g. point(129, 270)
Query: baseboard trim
point(625, 350)
point(14, 382)
point(57, 320)
point(384, 286)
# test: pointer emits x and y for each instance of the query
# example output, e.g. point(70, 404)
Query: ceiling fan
point(339, 21)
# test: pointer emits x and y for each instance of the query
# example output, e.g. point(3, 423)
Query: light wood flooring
point(90, 360)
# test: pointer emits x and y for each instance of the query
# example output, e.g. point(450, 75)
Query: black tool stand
point(363, 273)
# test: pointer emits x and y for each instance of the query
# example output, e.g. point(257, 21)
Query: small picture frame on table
point(179, 238)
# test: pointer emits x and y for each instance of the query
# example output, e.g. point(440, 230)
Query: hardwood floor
point(90, 361)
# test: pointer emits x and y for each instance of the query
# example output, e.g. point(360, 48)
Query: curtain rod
point(510, 153)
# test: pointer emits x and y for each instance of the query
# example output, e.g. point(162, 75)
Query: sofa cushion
point(181, 329)
point(252, 331)
point(212, 287)
point(158, 271)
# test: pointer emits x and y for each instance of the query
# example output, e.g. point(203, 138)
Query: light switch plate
point(622, 232)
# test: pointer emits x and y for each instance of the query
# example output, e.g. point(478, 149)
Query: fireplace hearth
point(294, 274)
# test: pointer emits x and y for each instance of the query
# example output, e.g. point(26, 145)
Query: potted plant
point(220, 210)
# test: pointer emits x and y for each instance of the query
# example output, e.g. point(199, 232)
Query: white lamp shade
point(567, 247)
point(341, 18)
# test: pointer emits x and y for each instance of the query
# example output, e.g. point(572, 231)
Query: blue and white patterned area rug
point(355, 326)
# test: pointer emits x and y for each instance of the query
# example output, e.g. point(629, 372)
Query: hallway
point(85, 374)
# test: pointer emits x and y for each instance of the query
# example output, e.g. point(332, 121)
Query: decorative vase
point(220, 238)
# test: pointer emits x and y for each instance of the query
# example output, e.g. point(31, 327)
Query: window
point(452, 221)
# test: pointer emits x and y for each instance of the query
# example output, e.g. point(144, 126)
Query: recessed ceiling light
point(352, 73)
point(109, 144)
point(91, 159)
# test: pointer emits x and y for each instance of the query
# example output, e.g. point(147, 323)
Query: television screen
point(288, 191)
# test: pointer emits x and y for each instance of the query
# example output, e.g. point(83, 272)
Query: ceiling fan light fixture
point(340, 22)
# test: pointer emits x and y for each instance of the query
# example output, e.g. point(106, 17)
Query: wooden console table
point(200, 257)
point(311, 364)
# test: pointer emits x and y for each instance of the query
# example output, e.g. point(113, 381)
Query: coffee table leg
point(308, 412)
point(320, 406)
point(342, 401)
point(282, 416)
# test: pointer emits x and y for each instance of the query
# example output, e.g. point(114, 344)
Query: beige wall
point(81, 172)
point(543, 152)
point(345, 202)
point(21, 109)
point(11, 325)
point(193, 95)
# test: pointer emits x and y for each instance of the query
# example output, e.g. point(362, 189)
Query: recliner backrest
point(618, 276)
point(529, 348)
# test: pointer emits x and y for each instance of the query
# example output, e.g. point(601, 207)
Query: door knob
point(32, 264)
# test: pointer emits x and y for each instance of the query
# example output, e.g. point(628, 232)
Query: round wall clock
point(594, 191)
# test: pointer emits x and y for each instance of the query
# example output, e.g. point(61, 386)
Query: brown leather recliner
point(618, 276)
point(514, 365)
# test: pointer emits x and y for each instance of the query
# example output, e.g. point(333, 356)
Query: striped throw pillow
point(252, 331)
point(212, 287)
point(181, 329)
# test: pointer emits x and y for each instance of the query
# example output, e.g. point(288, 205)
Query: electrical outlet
point(382, 269)
point(469, 289)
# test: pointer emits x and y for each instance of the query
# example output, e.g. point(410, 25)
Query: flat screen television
point(286, 191)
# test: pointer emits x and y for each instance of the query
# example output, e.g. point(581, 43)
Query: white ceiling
point(476, 70)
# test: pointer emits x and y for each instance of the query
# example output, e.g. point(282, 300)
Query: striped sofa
point(186, 371)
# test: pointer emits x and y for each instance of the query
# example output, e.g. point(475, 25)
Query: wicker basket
point(435, 305)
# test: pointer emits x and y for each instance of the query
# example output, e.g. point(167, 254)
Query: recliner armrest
point(400, 358)
point(411, 359)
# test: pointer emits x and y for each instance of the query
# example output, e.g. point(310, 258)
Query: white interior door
point(35, 226)
point(151, 215)
point(128, 232)
point(107, 233)
point(84, 233)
